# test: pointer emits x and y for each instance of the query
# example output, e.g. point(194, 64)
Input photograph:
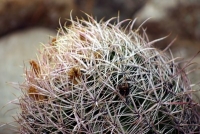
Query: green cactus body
point(95, 77)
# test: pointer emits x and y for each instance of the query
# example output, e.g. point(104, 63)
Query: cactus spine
point(95, 77)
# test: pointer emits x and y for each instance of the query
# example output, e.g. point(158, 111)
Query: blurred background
point(24, 25)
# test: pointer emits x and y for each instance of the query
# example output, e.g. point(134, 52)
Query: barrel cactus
point(97, 77)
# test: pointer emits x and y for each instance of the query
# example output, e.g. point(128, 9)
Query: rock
point(17, 14)
point(178, 19)
point(15, 50)
point(111, 8)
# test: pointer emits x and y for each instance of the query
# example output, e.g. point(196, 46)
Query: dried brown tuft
point(53, 41)
point(35, 67)
point(97, 55)
point(74, 74)
point(34, 94)
point(82, 37)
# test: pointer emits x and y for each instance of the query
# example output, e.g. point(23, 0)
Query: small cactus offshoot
point(99, 78)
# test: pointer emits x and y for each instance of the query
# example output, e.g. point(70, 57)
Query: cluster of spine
point(95, 77)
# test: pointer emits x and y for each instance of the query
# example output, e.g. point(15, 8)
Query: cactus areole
point(102, 78)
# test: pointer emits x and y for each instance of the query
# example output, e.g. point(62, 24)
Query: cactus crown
point(95, 77)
